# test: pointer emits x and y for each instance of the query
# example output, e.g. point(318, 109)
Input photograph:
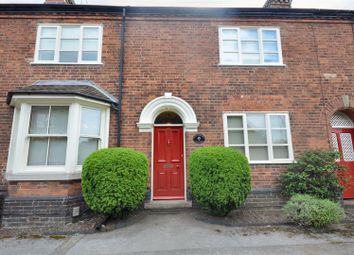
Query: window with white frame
point(262, 137)
point(250, 46)
point(50, 140)
point(68, 44)
point(89, 132)
point(48, 135)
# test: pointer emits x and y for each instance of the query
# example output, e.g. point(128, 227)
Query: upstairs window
point(262, 137)
point(68, 44)
point(250, 46)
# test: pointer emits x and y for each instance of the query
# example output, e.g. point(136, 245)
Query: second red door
point(168, 177)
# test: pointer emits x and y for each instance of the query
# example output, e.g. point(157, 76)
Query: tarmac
point(181, 233)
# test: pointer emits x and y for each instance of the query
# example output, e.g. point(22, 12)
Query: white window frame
point(17, 167)
point(260, 45)
point(58, 40)
point(269, 145)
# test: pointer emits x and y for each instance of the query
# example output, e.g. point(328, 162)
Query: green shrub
point(219, 179)
point(315, 173)
point(310, 211)
point(114, 180)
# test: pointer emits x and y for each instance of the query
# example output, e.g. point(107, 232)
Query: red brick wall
point(17, 40)
point(181, 56)
point(44, 189)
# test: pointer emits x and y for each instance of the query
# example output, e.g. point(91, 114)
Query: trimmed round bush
point(309, 211)
point(114, 180)
point(219, 179)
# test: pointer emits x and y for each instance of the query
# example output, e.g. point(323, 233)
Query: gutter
point(121, 79)
point(283, 13)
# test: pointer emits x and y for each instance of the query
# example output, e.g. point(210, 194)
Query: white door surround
point(167, 103)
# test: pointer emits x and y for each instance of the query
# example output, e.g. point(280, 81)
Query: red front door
point(343, 141)
point(168, 180)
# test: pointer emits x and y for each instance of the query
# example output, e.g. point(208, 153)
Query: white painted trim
point(43, 176)
point(53, 99)
point(269, 144)
point(168, 125)
point(167, 103)
point(260, 46)
point(17, 168)
point(58, 40)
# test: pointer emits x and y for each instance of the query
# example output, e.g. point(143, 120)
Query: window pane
point(279, 137)
point(239, 148)
point(277, 121)
point(90, 45)
point(91, 32)
point(249, 34)
point(90, 56)
point(269, 35)
point(39, 120)
point(37, 151)
point(258, 153)
point(229, 34)
point(249, 47)
point(47, 44)
point(280, 152)
point(270, 46)
point(70, 32)
point(49, 32)
point(90, 121)
point(271, 58)
point(230, 57)
point(46, 55)
point(255, 120)
point(234, 122)
point(250, 59)
point(58, 120)
point(230, 46)
point(68, 56)
point(86, 147)
point(57, 151)
point(69, 45)
point(257, 137)
point(236, 137)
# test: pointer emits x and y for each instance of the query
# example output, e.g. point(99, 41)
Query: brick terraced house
point(270, 82)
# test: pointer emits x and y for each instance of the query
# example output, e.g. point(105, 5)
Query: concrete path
point(180, 233)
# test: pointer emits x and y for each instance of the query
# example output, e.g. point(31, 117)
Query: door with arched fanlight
point(168, 174)
point(342, 138)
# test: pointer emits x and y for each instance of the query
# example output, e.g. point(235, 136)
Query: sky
point(318, 4)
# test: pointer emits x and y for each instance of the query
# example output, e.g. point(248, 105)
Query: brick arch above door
point(167, 102)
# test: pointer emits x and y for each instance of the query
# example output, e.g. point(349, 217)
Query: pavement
point(181, 233)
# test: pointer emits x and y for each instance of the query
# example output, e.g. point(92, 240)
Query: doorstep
point(167, 204)
point(348, 202)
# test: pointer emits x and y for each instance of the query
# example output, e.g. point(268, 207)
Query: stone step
point(167, 204)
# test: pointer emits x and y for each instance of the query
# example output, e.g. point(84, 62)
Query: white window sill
point(250, 65)
point(267, 162)
point(57, 63)
point(43, 176)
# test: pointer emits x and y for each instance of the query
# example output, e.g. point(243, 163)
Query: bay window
point(52, 136)
point(262, 137)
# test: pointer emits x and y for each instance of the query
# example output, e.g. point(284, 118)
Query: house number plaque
point(199, 138)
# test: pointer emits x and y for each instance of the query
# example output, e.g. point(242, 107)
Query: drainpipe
point(120, 85)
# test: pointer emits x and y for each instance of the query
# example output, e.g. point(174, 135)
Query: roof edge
point(179, 11)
